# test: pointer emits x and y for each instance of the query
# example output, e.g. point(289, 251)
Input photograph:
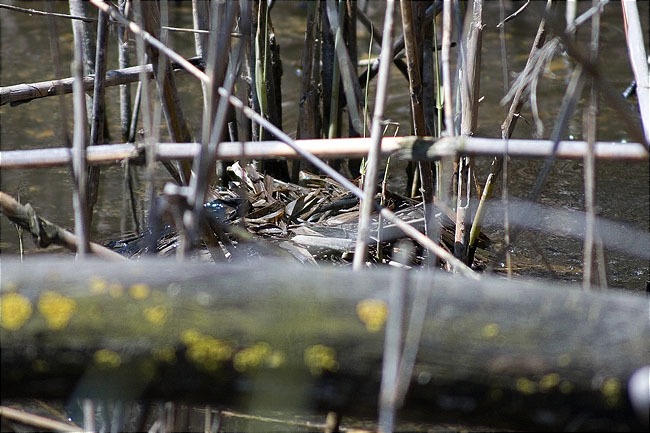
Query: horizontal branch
point(492, 352)
point(408, 148)
point(49, 14)
point(23, 93)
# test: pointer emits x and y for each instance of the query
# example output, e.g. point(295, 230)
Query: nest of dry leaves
point(314, 221)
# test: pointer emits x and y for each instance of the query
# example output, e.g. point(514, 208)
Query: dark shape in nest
point(314, 222)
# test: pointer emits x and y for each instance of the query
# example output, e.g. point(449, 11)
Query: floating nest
point(314, 221)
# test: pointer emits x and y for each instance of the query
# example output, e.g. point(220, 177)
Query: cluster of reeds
point(239, 66)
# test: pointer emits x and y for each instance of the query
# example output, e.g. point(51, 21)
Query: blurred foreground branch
point(492, 352)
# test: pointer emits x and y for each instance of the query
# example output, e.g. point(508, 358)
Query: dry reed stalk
point(244, 89)
point(592, 240)
point(150, 116)
point(446, 186)
point(507, 128)
point(446, 72)
point(218, 71)
point(403, 148)
point(84, 30)
point(214, 117)
point(639, 61)
point(128, 123)
point(414, 67)
point(123, 62)
point(335, 112)
point(267, 80)
point(98, 108)
point(346, 69)
point(88, 408)
point(79, 142)
point(327, 426)
point(308, 115)
point(56, 60)
point(470, 91)
point(176, 124)
point(201, 21)
point(429, 73)
point(376, 131)
point(328, 63)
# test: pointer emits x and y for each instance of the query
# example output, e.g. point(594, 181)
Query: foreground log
point(507, 354)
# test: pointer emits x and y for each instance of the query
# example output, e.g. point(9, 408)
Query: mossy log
point(268, 334)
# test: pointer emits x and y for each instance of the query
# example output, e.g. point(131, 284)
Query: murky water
point(622, 191)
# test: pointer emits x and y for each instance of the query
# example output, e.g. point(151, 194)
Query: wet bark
point(496, 353)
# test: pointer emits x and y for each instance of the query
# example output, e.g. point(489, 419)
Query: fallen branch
point(492, 352)
point(43, 231)
point(23, 93)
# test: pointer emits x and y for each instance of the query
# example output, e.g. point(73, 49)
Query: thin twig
point(51, 14)
point(514, 14)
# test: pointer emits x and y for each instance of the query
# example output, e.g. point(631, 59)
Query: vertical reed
point(215, 115)
point(470, 91)
point(201, 21)
point(590, 242)
point(507, 128)
point(79, 167)
point(176, 124)
point(370, 186)
point(412, 19)
point(98, 107)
